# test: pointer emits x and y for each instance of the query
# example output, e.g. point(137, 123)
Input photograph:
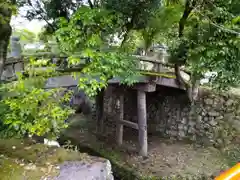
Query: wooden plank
point(142, 123)
point(159, 74)
point(168, 82)
point(154, 61)
point(129, 124)
point(148, 87)
point(119, 130)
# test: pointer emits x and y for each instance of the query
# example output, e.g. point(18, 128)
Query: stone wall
point(214, 120)
point(10, 71)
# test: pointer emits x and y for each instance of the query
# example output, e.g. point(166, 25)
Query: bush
point(27, 108)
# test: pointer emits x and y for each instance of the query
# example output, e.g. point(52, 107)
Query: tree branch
point(90, 4)
point(192, 86)
point(189, 5)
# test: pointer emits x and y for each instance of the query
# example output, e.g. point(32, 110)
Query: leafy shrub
point(27, 108)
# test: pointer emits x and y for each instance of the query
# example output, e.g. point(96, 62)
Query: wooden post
point(119, 130)
point(142, 123)
point(99, 109)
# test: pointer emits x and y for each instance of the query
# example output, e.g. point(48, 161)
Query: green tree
point(25, 35)
point(88, 31)
point(49, 11)
point(7, 8)
point(44, 117)
point(208, 41)
point(164, 19)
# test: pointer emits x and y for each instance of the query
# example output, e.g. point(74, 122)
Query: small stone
point(190, 130)
point(203, 113)
point(208, 101)
point(181, 134)
point(193, 138)
point(30, 167)
point(229, 102)
point(174, 133)
point(236, 124)
point(192, 123)
point(184, 121)
point(43, 170)
point(205, 119)
point(198, 126)
point(27, 148)
point(199, 119)
point(180, 126)
point(213, 122)
point(213, 113)
point(219, 118)
point(220, 141)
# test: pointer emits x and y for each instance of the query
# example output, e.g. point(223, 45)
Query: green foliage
point(27, 108)
point(214, 45)
point(159, 25)
point(89, 31)
point(135, 14)
point(44, 35)
point(87, 28)
point(6, 10)
point(210, 43)
point(49, 11)
point(25, 35)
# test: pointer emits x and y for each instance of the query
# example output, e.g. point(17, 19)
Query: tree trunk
point(193, 90)
point(3, 50)
point(5, 33)
point(193, 86)
point(99, 110)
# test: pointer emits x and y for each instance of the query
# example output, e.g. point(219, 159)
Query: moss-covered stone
point(23, 159)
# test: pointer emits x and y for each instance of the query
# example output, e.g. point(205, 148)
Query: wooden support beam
point(119, 130)
point(142, 123)
point(99, 110)
point(129, 124)
point(146, 87)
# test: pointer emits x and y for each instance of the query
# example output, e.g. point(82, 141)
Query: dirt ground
point(166, 158)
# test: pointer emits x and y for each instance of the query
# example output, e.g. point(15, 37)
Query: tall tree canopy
point(209, 41)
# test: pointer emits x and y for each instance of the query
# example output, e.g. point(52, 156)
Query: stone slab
point(98, 169)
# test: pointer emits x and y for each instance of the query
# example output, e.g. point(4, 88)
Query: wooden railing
point(147, 65)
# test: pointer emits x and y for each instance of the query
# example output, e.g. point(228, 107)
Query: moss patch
point(23, 159)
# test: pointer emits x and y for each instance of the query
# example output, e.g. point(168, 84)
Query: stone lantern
point(13, 63)
point(16, 49)
point(161, 54)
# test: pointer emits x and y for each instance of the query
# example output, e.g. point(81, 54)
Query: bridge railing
point(146, 64)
